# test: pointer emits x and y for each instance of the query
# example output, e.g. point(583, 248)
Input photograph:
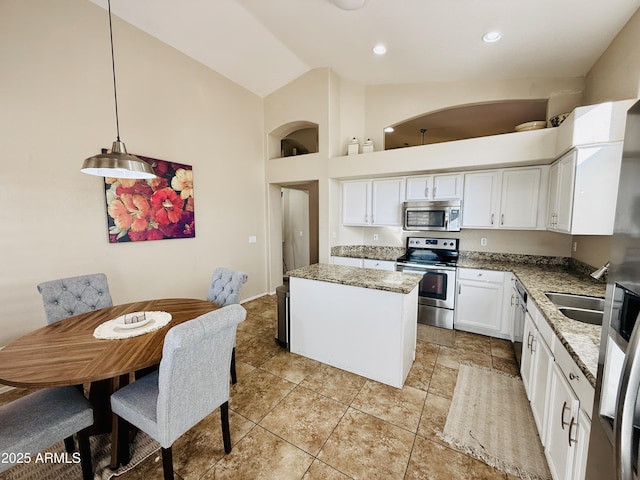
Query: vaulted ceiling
point(264, 44)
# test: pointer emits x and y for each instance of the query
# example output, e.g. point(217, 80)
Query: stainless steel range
point(436, 259)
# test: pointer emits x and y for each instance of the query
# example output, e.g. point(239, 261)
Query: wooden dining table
point(67, 353)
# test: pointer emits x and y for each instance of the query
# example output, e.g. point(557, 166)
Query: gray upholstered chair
point(191, 382)
point(66, 297)
point(225, 288)
point(40, 419)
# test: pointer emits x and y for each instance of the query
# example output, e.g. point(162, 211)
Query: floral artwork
point(156, 209)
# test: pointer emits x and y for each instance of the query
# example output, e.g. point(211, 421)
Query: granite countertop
point(581, 340)
point(389, 281)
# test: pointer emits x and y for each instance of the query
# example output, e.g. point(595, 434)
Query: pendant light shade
point(117, 163)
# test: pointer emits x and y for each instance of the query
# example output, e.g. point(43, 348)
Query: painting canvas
point(157, 209)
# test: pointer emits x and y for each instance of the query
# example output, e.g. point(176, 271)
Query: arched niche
point(465, 121)
point(294, 138)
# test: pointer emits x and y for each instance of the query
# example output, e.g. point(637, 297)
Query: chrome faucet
point(601, 272)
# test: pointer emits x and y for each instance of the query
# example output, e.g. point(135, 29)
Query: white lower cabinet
point(364, 262)
point(561, 398)
point(347, 261)
point(379, 264)
point(582, 447)
point(527, 360)
point(562, 426)
point(480, 303)
point(540, 375)
point(569, 418)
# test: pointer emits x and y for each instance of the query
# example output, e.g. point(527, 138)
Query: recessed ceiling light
point(388, 130)
point(379, 49)
point(491, 37)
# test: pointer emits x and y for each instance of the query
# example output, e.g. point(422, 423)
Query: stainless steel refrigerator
point(615, 427)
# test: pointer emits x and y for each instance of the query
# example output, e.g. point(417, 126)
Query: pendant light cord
point(113, 70)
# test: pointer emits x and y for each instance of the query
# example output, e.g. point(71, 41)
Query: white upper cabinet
point(386, 201)
point(372, 202)
point(356, 202)
point(583, 189)
point(481, 199)
point(519, 201)
point(560, 202)
point(434, 187)
point(506, 198)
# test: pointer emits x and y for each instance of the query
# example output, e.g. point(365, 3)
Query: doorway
point(299, 209)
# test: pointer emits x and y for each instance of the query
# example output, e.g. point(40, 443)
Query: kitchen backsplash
point(373, 252)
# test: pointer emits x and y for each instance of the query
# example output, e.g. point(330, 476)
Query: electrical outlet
point(375, 236)
point(575, 246)
point(252, 239)
point(483, 242)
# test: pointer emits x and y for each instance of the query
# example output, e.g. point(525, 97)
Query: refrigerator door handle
point(625, 407)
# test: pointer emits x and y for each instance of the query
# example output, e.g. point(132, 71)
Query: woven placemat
point(114, 330)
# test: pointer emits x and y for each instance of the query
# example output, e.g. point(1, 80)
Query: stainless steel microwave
point(444, 216)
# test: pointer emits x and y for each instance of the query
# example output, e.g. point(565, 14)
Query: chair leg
point(122, 441)
point(69, 445)
point(234, 378)
point(167, 463)
point(226, 433)
point(85, 454)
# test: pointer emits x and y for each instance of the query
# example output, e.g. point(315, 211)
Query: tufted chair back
point(225, 286)
point(66, 297)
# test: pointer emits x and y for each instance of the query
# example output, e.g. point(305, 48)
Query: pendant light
point(117, 163)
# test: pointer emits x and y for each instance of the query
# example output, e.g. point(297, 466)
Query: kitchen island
point(360, 320)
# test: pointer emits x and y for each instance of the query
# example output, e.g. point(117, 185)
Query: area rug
point(491, 420)
point(52, 468)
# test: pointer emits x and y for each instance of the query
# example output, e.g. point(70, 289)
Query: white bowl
point(535, 125)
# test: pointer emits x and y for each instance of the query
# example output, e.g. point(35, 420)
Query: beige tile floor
point(295, 418)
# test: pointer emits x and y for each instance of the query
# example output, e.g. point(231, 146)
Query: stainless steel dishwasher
point(519, 303)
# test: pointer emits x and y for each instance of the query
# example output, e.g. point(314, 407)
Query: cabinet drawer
point(543, 326)
point(482, 275)
point(580, 385)
point(379, 264)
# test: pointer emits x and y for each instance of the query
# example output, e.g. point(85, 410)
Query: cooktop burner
point(430, 251)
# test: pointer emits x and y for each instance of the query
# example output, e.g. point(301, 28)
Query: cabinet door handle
point(426, 192)
point(502, 219)
point(492, 215)
point(459, 288)
point(533, 344)
point(572, 440)
point(573, 376)
point(529, 340)
point(562, 422)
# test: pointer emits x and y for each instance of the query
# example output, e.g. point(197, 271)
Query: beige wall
point(616, 74)
point(57, 109)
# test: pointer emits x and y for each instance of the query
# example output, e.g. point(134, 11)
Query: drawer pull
point(562, 422)
point(573, 376)
point(529, 340)
point(572, 440)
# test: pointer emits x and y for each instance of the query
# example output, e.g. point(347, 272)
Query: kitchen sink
point(593, 317)
point(576, 301)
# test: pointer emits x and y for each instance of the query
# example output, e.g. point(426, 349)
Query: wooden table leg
point(119, 431)
point(99, 396)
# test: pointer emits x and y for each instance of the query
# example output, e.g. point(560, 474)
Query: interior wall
point(57, 109)
point(616, 74)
